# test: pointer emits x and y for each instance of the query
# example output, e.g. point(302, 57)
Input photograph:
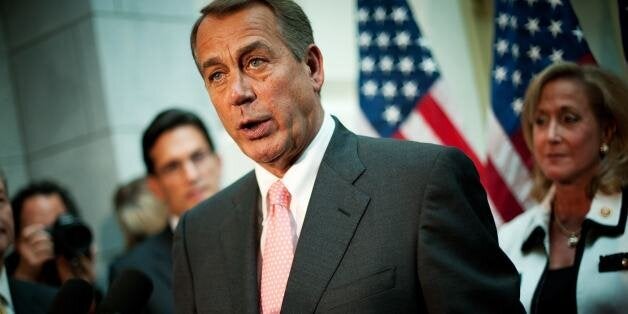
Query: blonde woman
point(572, 249)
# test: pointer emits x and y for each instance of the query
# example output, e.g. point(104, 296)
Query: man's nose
point(190, 172)
point(241, 91)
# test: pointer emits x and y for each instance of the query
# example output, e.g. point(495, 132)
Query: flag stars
point(392, 115)
point(365, 39)
point(516, 78)
point(532, 26)
point(410, 89)
point(389, 90)
point(513, 22)
point(369, 88)
point(502, 20)
point(557, 55)
point(383, 40)
point(428, 66)
point(363, 15)
point(367, 65)
point(555, 28)
point(517, 105)
point(514, 50)
point(402, 40)
point(379, 15)
point(534, 53)
point(555, 3)
point(500, 74)
point(531, 2)
point(399, 15)
point(422, 42)
point(578, 33)
point(386, 64)
point(501, 47)
point(406, 65)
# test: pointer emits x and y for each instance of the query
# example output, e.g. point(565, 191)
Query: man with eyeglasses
point(182, 170)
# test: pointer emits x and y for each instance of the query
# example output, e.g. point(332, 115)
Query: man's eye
point(256, 62)
point(216, 76)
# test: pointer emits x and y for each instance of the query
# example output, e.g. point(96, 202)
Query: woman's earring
point(604, 148)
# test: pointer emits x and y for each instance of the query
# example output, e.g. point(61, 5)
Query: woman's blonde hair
point(608, 97)
point(139, 213)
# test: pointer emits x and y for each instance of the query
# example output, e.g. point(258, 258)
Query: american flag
point(401, 90)
point(529, 36)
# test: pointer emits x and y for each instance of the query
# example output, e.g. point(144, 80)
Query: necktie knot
point(278, 194)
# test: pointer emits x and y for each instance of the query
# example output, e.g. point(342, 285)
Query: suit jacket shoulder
point(31, 298)
point(154, 258)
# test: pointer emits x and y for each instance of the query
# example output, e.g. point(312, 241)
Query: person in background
point(182, 170)
point(572, 248)
point(17, 296)
point(328, 221)
point(36, 208)
point(139, 213)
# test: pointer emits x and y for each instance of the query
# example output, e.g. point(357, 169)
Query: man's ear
point(314, 63)
point(155, 187)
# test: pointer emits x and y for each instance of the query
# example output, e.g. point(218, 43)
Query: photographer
point(46, 230)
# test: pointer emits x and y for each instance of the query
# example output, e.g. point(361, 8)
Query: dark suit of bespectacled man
point(183, 169)
point(378, 225)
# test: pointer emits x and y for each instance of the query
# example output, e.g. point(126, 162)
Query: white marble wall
point(12, 157)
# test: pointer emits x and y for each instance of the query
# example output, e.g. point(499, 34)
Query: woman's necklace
point(572, 236)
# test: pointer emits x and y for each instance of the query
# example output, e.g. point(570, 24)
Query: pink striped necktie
point(278, 249)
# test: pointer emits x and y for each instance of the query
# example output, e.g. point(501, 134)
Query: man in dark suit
point(328, 221)
point(183, 170)
point(19, 296)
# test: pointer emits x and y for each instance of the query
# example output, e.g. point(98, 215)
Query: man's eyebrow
point(241, 51)
point(253, 46)
point(210, 62)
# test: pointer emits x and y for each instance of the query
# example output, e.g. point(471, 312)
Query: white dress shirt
point(299, 179)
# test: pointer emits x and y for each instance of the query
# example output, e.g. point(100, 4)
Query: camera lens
point(71, 237)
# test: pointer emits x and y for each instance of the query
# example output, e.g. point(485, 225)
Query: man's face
point(6, 220)
point(266, 99)
point(42, 209)
point(186, 170)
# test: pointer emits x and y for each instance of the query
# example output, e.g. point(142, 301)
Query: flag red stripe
point(500, 192)
point(445, 129)
point(587, 58)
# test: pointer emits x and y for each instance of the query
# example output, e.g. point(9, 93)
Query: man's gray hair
point(294, 25)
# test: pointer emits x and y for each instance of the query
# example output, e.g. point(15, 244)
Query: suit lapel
point(239, 238)
point(333, 213)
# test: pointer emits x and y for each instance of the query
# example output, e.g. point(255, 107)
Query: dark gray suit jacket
point(391, 227)
point(31, 298)
point(153, 256)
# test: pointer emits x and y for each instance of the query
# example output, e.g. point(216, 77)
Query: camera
point(71, 237)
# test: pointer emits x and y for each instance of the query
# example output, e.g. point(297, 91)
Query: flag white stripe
point(508, 163)
point(415, 128)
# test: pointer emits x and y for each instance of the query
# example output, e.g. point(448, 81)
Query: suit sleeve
point(183, 283)
point(460, 266)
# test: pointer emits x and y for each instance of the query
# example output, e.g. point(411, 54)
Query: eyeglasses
point(175, 168)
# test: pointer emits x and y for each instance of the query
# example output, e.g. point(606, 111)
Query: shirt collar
point(299, 179)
